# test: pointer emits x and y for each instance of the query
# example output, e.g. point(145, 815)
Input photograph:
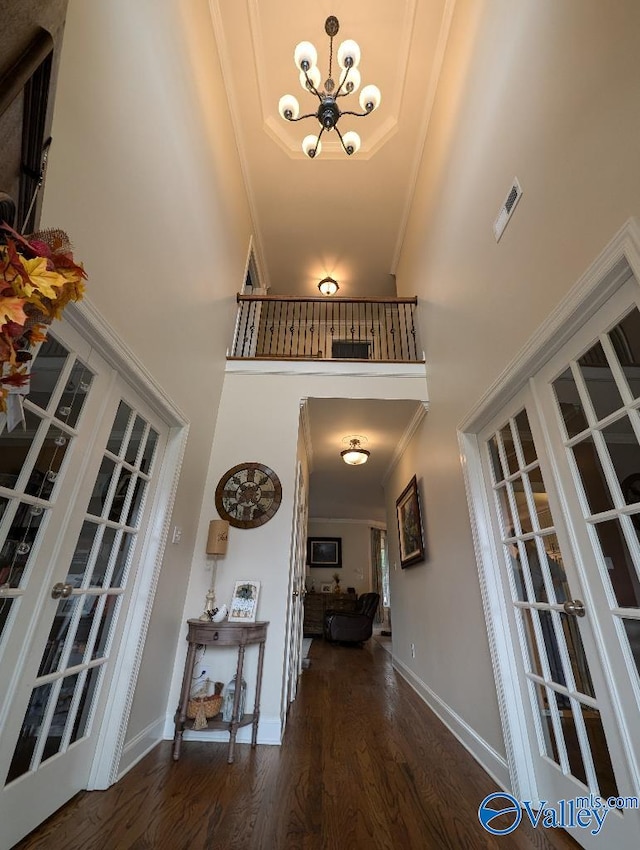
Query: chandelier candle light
point(328, 112)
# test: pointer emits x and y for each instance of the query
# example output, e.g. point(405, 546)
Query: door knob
point(61, 590)
point(574, 607)
point(295, 593)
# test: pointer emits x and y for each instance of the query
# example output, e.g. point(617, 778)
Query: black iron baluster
point(404, 334)
point(413, 333)
point(372, 331)
point(394, 313)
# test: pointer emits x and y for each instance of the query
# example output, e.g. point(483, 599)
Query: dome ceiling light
point(328, 286)
point(355, 455)
point(328, 112)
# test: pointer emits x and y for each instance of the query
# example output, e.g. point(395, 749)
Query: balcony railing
point(290, 327)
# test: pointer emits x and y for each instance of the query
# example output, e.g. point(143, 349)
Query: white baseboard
point(138, 747)
point(269, 732)
point(495, 764)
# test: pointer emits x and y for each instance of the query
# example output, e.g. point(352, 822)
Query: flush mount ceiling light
point(328, 286)
point(328, 112)
point(355, 455)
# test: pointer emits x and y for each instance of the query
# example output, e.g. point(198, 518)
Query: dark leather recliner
point(352, 626)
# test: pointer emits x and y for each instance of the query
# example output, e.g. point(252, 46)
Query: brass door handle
point(574, 607)
point(61, 590)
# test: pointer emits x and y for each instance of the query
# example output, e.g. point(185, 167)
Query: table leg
point(181, 712)
point(235, 719)
point(256, 705)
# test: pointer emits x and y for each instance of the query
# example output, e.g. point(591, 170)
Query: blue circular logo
point(487, 813)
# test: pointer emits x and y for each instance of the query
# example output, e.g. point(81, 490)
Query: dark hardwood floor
point(364, 766)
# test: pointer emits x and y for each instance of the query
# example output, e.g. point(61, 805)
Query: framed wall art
point(324, 551)
point(410, 533)
point(244, 603)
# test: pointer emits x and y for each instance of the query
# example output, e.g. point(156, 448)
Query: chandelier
point(329, 92)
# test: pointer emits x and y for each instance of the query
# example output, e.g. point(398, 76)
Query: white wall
point(145, 177)
point(356, 554)
point(547, 92)
point(259, 421)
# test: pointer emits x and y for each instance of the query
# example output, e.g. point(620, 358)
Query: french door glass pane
point(495, 459)
point(632, 629)
point(531, 655)
point(599, 381)
point(626, 342)
point(577, 657)
point(504, 510)
point(149, 451)
point(58, 635)
point(572, 744)
point(108, 617)
point(60, 716)
point(542, 703)
point(599, 751)
point(133, 446)
point(624, 450)
point(89, 689)
point(622, 574)
point(31, 727)
point(509, 450)
point(570, 404)
point(526, 440)
point(535, 571)
point(592, 475)
point(551, 648)
point(522, 506)
point(119, 428)
point(19, 542)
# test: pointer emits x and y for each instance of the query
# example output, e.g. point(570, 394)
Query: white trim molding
point(482, 752)
point(404, 440)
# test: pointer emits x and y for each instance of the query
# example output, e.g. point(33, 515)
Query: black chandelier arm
point(341, 140)
point(345, 81)
point(302, 117)
point(311, 87)
point(357, 114)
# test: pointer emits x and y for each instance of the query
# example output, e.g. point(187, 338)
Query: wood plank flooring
point(364, 766)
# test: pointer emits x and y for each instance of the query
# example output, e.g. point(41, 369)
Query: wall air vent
point(506, 211)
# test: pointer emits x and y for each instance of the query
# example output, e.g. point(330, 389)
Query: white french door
point(297, 591)
point(76, 487)
point(562, 466)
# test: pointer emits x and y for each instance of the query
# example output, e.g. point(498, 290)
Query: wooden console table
point(202, 633)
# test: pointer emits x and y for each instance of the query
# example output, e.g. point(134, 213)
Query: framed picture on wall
point(324, 551)
point(409, 517)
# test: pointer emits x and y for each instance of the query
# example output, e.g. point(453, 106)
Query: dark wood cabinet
point(317, 604)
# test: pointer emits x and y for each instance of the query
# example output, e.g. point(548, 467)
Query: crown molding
point(403, 442)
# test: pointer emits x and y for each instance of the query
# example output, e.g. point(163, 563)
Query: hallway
point(364, 765)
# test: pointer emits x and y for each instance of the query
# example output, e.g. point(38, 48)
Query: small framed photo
point(409, 517)
point(324, 551)
point(326, 588)
point(244, 604)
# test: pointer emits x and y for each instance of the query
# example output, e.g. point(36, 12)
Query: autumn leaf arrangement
point(38, 278)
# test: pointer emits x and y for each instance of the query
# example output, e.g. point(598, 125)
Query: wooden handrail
point(324, 299)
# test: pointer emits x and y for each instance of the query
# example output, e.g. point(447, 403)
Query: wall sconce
point(217, 541)
point(328, 286)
